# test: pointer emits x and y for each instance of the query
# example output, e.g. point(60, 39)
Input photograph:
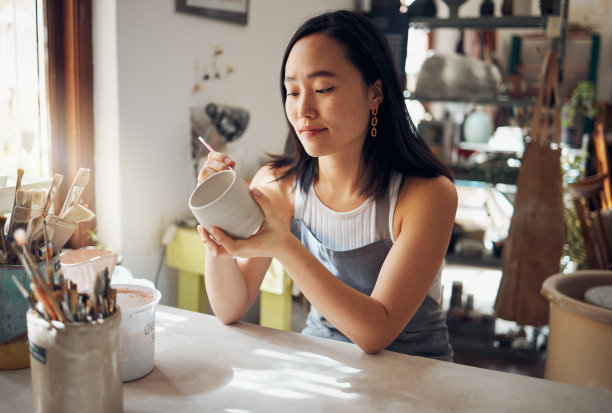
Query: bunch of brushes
point(46, 233)
point(55, 298)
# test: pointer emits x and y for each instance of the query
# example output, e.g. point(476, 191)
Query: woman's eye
point(291, 93)
point(329, 89)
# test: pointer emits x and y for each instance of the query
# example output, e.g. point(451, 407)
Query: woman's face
point(328, 102)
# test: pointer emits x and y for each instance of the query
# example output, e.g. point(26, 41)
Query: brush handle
point(57, 180)
point(73, 196)
point(208, 146)
point(3, 244)
point(76, 189)
point(20, 173)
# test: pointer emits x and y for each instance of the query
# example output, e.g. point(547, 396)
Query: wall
point(143, 87)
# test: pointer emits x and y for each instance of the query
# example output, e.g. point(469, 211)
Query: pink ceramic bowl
point(82, 265)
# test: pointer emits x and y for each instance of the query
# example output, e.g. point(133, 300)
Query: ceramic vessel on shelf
point(487, 8)
point(521, 7)
point(422, 8)
point(478, 127)
point(453, 6)
point(550, 7)
point(506, 8)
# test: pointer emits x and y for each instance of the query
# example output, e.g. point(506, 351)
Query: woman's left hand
point(268, 241)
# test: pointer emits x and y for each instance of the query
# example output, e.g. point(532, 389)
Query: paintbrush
point(59, 232)
point(3, 244)
point(28, 297)
point(39, 197)
point(38, 285)
point(20, 173)
point(209, 147)
point(20, 218)
point(35, 234)
point(35, 226)
point(78, 213)
point(76, 190)
point(57, 180)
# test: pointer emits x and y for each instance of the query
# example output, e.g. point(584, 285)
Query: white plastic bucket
point(138, 304)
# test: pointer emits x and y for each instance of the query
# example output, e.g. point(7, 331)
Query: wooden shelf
point(499, 101)
point(509, 22)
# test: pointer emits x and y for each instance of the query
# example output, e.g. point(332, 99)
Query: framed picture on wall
point(233, 11)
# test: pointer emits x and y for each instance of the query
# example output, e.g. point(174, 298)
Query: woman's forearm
point(226, 288)
point(233, 284)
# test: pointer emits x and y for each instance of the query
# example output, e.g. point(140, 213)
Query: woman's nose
point(305, 107)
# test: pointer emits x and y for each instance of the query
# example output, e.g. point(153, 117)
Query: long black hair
point(397, 145)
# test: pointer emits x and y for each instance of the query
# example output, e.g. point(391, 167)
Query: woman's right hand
point(216, 162)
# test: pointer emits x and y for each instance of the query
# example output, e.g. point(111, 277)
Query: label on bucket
point(38, 352)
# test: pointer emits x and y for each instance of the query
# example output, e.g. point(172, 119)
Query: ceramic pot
point(453, 6)
point(422, 8)
point(580, 339)
point(487, 8)
point(478, 127)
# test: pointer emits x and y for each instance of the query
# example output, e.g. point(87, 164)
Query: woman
point(357, 209)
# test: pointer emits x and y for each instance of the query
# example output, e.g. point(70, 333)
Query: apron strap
point(383, 211)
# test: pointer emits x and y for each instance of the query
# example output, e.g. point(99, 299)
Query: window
point(24, 136)
point(46, 127)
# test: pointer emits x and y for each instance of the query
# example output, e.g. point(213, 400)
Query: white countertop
point(203, 365)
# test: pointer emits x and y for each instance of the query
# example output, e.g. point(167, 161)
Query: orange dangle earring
point(374, 122)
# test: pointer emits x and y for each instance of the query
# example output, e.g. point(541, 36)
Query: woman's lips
point(310, 132)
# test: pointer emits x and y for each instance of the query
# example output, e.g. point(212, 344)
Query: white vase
point(478, 127)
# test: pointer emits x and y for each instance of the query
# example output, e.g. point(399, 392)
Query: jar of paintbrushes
point(45, 234)
point(74, 340)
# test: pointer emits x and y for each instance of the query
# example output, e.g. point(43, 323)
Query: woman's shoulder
point(267, 180)
point(418, 193)
point(422, 200)
point(438, 185)
point(270, 177)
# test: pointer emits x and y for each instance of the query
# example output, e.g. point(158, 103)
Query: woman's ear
point(376, 93)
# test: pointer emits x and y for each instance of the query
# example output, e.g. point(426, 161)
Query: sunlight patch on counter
point(294, 377)
point(161, 315)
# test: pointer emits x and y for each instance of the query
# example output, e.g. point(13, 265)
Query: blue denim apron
point(425, 335)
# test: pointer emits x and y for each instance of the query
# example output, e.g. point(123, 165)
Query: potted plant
point(578, 114)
